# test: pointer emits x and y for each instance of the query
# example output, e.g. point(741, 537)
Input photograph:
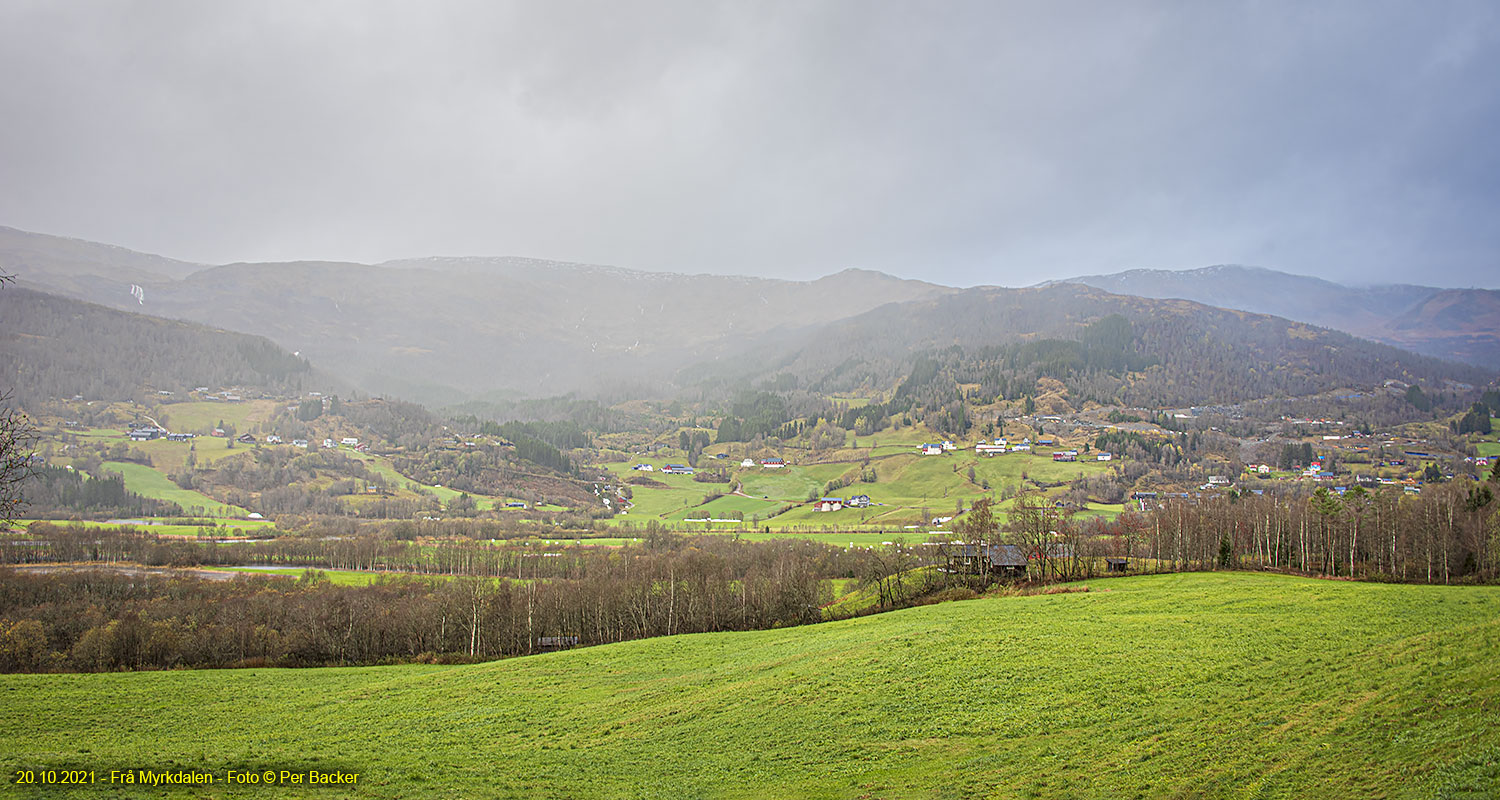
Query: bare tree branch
point(17, 438)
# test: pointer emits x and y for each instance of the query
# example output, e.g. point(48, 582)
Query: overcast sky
point(964, 143)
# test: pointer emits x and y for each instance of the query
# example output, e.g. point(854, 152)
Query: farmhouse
point(932, 449)
point(643, 468)
point(677, 469)
point(273, 439)
point(1006, 560)
point(949, 445)
point(772, 463)
point(829, 504)
point(747, 463)
point(245, 438)
point(1020, 448)
point(1104, 457)
point(859, 501)
point(302, 443)
point(989, 449)
point(350, 441)
point(145, 434)
point(179, 437)
point(1065, 455)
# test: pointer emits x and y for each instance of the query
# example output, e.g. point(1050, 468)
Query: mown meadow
point(1188, 685)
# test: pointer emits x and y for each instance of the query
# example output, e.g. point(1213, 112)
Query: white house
point(350, 441)
point(747, 463)
point(949, 445)
point(989, 449)
point(1104, 457)
point(772, 463)
point(932, 449)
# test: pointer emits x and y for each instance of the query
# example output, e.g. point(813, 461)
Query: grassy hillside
point(147, 482)
point(909, 489)
point(1205, 686)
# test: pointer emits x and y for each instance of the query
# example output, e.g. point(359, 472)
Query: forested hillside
point(1104, 347)
point(1455, 324)
point(57, 347)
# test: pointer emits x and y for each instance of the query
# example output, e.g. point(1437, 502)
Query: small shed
point(1113, 564)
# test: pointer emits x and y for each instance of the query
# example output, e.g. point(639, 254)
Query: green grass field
point(338, 577)
point(147, 482)
point(382, 466)
point(202, 415)
point(910, 488)
point(1233, 685)
point(217, 528)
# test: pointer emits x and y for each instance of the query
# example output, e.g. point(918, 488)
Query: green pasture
point(172, 456)
point(337, 577)
point(147, 482)
point(1228, 685)
point(721, 508)
point(216, 528)
point(907, 483)
point(382, 466)
point(202, 415)
point(647, 502)
point(842, 538)
point(791, 484)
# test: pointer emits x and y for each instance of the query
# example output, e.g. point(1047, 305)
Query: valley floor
point(1194, 685)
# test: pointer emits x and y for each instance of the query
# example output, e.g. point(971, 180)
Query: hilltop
point(1455, 324)
point(450, 330)
point(58, 347)
point(1205, 685)
point(441, 330)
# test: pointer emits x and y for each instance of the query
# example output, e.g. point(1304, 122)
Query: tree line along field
point(1194, 685)
point(218, 528)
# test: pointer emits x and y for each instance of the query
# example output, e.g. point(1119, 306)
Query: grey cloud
point(959, 142)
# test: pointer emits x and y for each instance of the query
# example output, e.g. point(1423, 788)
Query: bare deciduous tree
point(17, 435)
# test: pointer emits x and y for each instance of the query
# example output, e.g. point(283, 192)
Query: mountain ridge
point(1387, 313)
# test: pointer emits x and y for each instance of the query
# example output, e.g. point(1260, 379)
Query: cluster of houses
point(146, 433)
point(839, 503)
point(1003, 446)
point(680, 469)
